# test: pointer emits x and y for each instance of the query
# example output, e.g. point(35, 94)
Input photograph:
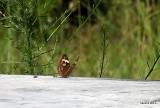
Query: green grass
point(37, 30)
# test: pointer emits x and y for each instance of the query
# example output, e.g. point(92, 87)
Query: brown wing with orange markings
point(64, 68)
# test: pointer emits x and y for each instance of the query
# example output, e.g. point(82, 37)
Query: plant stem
point(152, 68)
point(103, 48)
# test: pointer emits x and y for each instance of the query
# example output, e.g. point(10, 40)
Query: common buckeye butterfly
point(65, 68)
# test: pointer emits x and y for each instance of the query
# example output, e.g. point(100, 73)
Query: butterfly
point(65, 68)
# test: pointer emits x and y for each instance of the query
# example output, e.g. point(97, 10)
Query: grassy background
point(35, 33)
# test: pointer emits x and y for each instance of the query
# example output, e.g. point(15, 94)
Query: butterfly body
point(65, 68)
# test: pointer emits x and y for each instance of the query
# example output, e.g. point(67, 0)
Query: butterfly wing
point(70, 69)
point(63, 65)
point(64, 68)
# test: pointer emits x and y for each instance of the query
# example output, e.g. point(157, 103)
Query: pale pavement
point(20, 91)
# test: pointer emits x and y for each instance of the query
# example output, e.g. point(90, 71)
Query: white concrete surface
point(20, 91)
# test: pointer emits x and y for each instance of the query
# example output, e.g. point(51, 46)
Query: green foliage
point(103, 50)
point(35, 33)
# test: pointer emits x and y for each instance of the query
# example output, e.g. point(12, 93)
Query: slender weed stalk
point(151, 69)
point(9, 45)
point(103, 49)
